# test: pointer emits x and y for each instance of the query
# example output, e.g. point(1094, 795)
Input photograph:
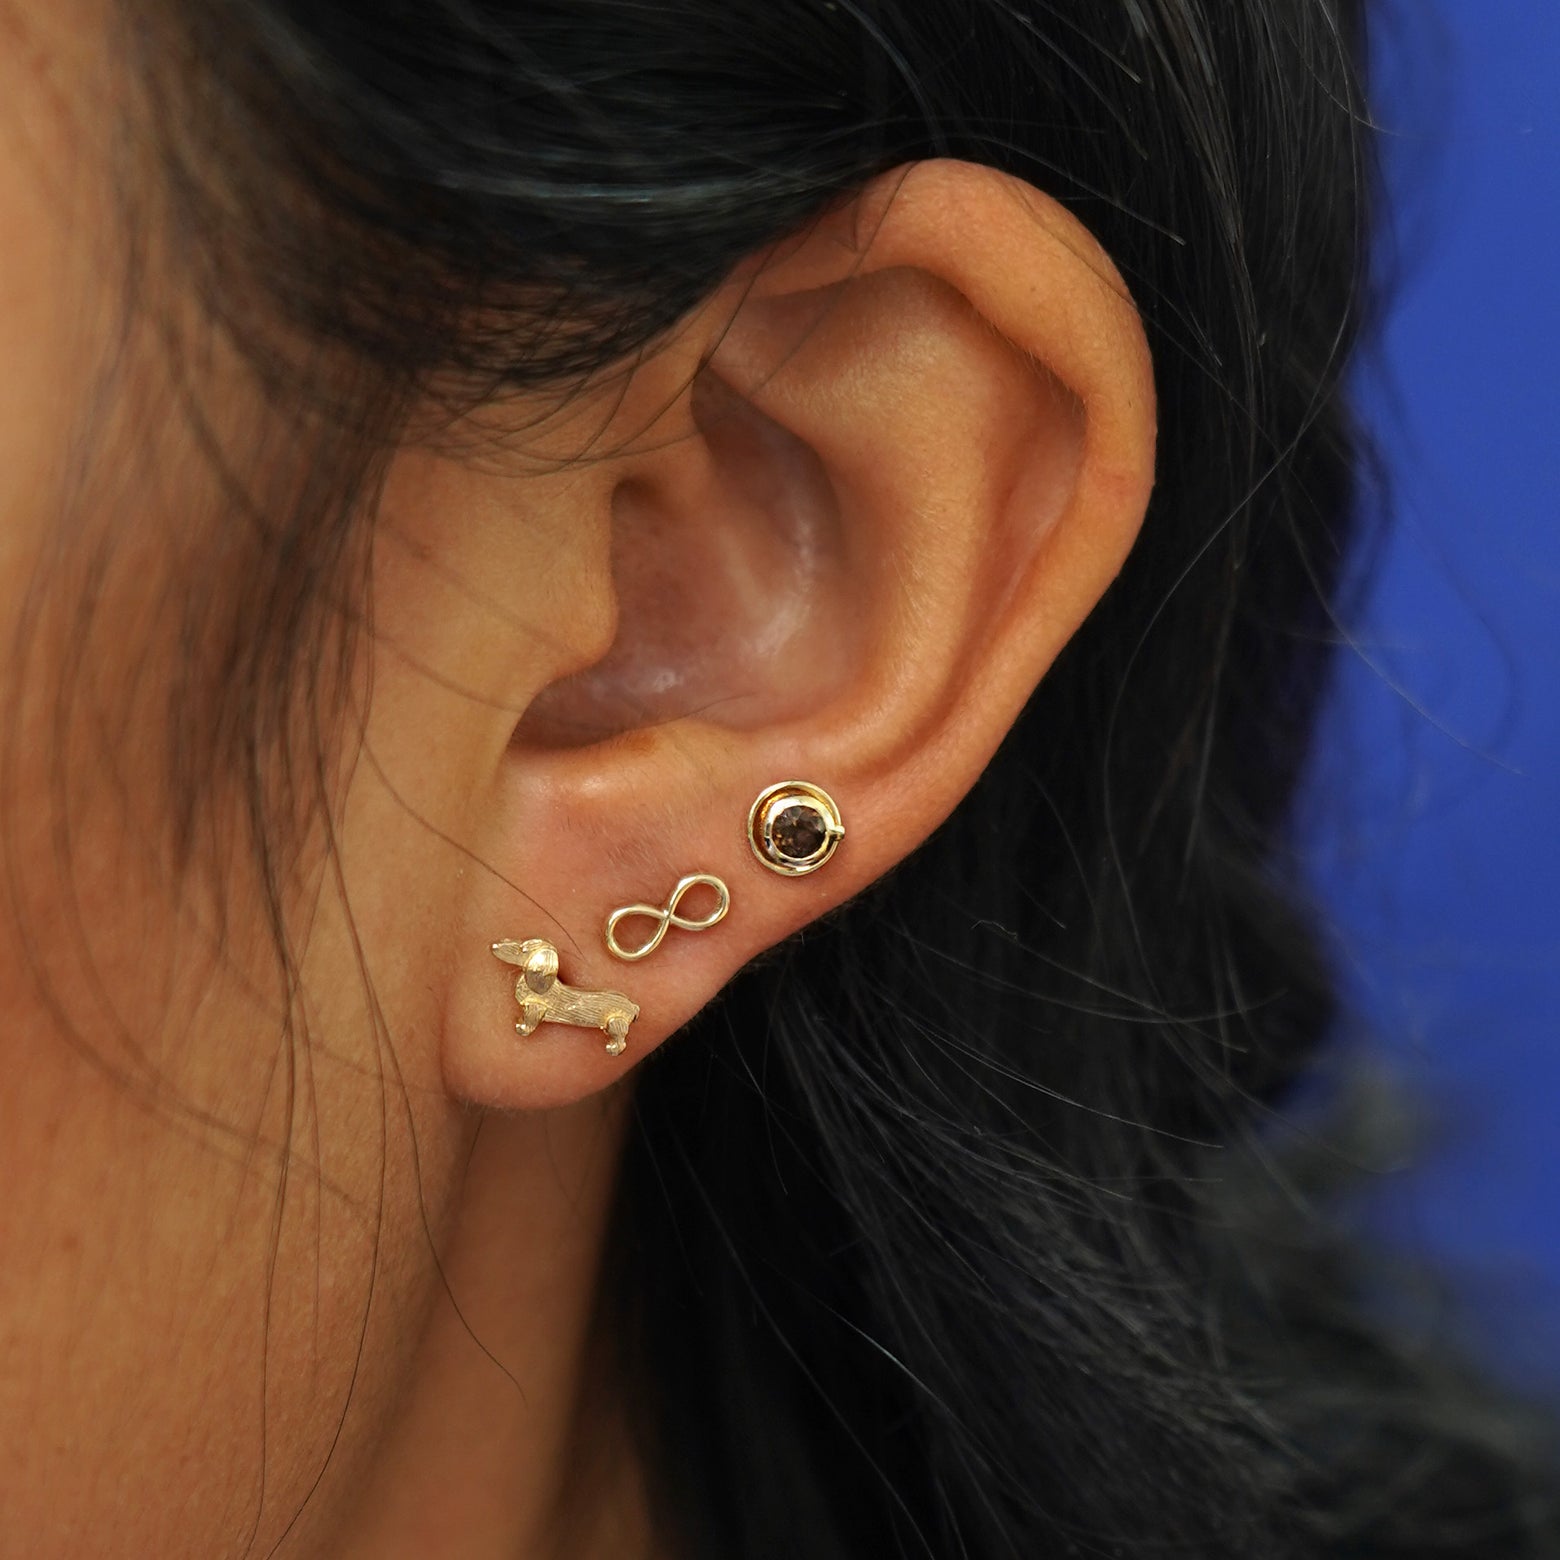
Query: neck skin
point(538, 1467)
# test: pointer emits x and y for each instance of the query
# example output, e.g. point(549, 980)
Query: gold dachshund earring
point(544, 999)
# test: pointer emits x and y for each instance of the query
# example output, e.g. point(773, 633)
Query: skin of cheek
point(213, 1257)
point(202, 1264)
point(212, 1212)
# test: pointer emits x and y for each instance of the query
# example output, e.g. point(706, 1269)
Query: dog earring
point(666, 916)
point(794, 827)
point(544, 999)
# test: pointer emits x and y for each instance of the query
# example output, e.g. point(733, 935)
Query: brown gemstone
point(799, 831)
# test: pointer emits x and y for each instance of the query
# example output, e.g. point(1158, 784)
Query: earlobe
point(916, 446)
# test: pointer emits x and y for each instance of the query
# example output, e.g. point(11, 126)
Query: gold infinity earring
point(666, 916)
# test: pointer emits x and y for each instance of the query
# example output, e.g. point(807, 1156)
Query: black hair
point(1014, 1273)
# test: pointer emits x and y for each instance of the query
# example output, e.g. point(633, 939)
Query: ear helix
point(793, 828)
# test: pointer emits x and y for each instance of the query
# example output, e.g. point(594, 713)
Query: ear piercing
point(544, 999)
point(666, 916)
point(794, 827)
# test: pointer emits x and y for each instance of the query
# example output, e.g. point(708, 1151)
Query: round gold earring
point(794, 827)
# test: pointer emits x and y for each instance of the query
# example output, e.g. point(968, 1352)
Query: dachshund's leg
point(617, 1033)
point(532, 1011)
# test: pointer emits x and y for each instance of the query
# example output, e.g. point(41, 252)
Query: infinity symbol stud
point(666, 916)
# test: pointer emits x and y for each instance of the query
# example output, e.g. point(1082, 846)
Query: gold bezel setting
point(765, 819)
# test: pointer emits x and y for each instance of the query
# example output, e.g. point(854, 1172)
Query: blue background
point(1436, 829)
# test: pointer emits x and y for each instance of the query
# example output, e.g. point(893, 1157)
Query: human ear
point(835, 528)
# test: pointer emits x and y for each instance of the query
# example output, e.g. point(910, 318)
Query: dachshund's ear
point(541, 966)
point(834, 527)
